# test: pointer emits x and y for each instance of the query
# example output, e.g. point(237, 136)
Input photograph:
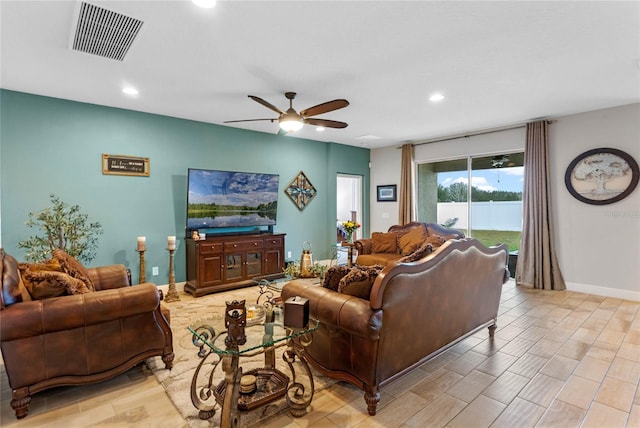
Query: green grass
point(493, 237)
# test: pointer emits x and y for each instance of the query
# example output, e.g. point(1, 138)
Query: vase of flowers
point(350, 227)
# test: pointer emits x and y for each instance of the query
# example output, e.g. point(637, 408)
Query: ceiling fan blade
point(324, 108)
point(247, 120)
point(267, 104)
point(326, 123)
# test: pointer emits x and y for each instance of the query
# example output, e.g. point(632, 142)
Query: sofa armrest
point(108, 277)
point(337, 310)
point(37, 317)
point(364, 246)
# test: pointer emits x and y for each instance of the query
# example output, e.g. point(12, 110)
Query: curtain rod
point(473, 134)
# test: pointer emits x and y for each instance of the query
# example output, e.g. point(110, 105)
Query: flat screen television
point(228, 199)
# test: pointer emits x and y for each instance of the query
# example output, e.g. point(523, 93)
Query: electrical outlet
point(289, 255)
point(154, 271)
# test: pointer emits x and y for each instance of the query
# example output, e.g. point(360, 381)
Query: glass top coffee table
point(237, 334)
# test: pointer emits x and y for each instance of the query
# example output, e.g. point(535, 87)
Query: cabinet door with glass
point(232, 268)
point(243, 259)
point(253, 264)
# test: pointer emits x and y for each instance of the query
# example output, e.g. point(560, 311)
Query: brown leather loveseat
point(399, 241)
point(77, 339)
point(414, 312)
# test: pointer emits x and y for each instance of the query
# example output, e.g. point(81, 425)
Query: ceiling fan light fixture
point(290, 125)
point(290, 121)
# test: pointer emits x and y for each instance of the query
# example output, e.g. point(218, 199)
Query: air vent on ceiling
point(104, 33)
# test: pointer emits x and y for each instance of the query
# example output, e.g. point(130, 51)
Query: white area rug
point(177, 381)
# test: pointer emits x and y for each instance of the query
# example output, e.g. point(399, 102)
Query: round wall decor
point(602, 176)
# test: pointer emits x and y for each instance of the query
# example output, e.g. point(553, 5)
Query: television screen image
point(230, 199)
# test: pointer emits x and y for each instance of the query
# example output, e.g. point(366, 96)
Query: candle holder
point(142, 277)
point(172, 294)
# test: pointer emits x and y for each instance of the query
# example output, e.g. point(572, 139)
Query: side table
point(341, 246)
point(235, 335)
point(350, 246)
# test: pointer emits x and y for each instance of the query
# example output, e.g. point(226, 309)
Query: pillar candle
point(171, 242)
point(141, 243)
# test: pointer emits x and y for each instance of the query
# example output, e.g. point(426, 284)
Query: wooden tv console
point(225, 262)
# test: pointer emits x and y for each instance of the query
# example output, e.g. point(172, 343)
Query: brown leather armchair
point(78, 339)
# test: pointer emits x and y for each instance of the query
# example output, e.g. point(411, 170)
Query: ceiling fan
point(499, 161)
point(291, 121)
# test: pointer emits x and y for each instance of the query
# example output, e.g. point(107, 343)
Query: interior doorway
point(349, 202)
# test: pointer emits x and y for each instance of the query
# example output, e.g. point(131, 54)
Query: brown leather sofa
point(380, 248)
point(415, 311)
point(78, 339)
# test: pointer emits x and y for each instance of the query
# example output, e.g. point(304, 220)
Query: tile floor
point(559, 359)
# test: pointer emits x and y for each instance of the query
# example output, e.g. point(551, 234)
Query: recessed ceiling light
point(130, 90)
point(205, 4)
point(434, 98)
point(368, 137)
point(320, 128)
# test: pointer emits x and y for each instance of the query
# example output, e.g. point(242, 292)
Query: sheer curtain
point(405, 209)
point(537, 265)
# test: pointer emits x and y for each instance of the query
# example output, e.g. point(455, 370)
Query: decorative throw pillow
point(48, 265)
point(26, 285)
point(418, 254)
point(359, 280)
point(73, 267)
point(333, 275)
point(43, 284)
point(385, 242)
point(411, 241)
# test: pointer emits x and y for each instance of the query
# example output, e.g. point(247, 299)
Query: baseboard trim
point(603, 291)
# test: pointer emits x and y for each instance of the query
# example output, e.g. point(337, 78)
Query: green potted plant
point(64, 227)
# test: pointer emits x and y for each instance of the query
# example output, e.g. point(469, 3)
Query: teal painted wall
point(50, 145)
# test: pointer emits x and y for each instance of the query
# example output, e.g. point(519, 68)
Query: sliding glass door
point(490, 209)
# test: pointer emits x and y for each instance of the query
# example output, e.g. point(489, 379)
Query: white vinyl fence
point(499, 215)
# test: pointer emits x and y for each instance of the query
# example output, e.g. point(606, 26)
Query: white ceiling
point(497, 63)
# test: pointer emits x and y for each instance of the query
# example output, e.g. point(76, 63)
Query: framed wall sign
point(387, 193)
point(602, 176)
point(125, 165)
point(300, 191)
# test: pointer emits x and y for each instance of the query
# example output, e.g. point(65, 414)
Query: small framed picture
point(125, 165)
point(387, 193)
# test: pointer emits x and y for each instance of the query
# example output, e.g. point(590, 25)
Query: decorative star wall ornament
point(301, 191)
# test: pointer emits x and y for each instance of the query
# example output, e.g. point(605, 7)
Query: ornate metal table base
point(298, 391)
point(200, 398)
